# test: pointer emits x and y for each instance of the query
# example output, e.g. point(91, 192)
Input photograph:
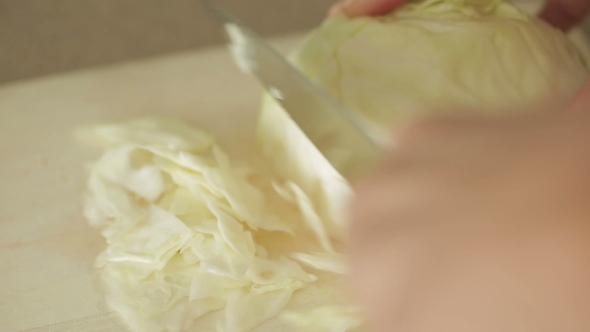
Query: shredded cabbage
point(185, 226)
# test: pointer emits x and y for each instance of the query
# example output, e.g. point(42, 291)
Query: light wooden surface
point(46, 248)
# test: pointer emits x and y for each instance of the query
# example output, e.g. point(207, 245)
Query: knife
point(347, 141)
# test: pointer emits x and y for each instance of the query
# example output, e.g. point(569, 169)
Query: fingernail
point(339, 7)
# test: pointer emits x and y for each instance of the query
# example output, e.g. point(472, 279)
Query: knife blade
point(346, 140)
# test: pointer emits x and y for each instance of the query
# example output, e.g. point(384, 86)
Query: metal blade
point(342, 137)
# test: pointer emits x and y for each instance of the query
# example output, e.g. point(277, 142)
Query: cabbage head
point(428, 57)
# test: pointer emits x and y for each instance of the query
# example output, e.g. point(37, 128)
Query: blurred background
point(40, 37)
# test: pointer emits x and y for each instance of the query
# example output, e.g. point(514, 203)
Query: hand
point(565, 14)
point(475, 224)
point(562, 14)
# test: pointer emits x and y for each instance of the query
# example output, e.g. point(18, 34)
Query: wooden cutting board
point(46, 248)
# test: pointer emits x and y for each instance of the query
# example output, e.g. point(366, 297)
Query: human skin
point(478, 224)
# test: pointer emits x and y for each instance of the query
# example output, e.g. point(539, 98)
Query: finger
point(433, 135)
point(565, 14)
point(374, 7)
point(424, 130)
point(581, 101)
point(405, 175)
point(354, 8)
point(386, 200)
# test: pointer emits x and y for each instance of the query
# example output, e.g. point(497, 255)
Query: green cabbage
point(428, 57)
